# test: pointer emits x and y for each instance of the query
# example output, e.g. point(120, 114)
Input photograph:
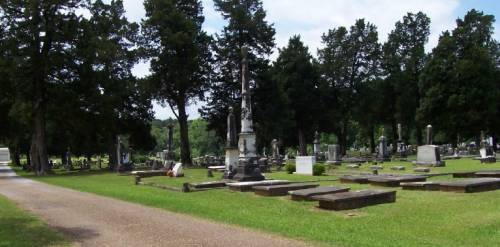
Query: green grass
point(416, 219)
point(19, 228)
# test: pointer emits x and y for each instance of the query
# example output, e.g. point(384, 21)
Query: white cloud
point(312, 18)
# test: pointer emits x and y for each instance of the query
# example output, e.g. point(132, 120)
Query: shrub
point(290, 168)
point(139, 158)
point(318, 170)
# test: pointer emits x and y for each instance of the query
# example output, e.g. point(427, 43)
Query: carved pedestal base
point(248, 170)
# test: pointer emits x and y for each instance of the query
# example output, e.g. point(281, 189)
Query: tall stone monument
point(248, 167)
point(276, 156)
point(232, 154)
point(169, 154)
point(383, 153)
point(429, 155)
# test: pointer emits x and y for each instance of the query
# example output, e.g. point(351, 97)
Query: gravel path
point(92, 220)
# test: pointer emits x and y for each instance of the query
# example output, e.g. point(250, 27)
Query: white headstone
point(429, 155)
point(178, 171)
point(304, 165)
point(231, 159)
point(4, 155)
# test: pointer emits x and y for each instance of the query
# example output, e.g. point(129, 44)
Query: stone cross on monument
point(248, 167)
point(429, 135)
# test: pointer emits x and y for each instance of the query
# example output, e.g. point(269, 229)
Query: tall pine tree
point(246, 27)
point(180, 57)
point(403, 60)
point(297, 75)
point(459, 83)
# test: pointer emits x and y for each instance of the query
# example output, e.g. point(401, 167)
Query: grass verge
point(416, 219)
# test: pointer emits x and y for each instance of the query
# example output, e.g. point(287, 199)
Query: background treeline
point(66, 80)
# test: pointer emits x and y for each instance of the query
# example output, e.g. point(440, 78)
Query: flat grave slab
point(464, 174)
point(471, 185)
point(422, 169)
point(209, 185)
point(377, 167)
point(218, 168)
point(353, 160)
point(394, 181)
point(280, 190)
point(247, 186)
point(398, 168)
point(353, 166)
point(152, 173)
point(307, 194)
point(353, 200)
point(488, 160)
point(489, 174)
point(356, 179)
point(427, 186)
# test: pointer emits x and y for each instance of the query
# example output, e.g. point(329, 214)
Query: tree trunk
point(494, 142)
point(183, 128)
point(343, 139)
point(112, 159)
point(394, 137)
point(15, 155)
point(419, 135)
point(28, 160)
point(302, 143)
point(372, 139)
point(38, 150)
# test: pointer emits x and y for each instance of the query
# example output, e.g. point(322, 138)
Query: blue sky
point(311, 18)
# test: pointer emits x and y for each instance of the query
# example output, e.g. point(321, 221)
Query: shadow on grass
point(64, 173)
point(25, 231)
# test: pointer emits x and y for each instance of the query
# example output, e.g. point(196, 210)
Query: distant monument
point(428, 155)
point(334, 156)
point(248, 166)
point(169, 154)
point(316, 144)
point(402, 155)
point(123, 162)
point(232, 153)
point(383, 154)
point(486, 151)
point(68, 163)
point(276, 156)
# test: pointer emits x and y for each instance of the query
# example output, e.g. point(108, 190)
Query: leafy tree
point(459, 83)
point(43, 31)
point(349, 60)
point(403, 60)
point(180, 57)
point(204, 141)
point(297, 76)
point(246, 27)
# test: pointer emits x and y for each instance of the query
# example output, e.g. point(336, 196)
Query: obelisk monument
point(248, 167)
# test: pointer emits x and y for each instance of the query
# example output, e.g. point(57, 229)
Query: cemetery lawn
point(19, 228)
point(416, 219)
